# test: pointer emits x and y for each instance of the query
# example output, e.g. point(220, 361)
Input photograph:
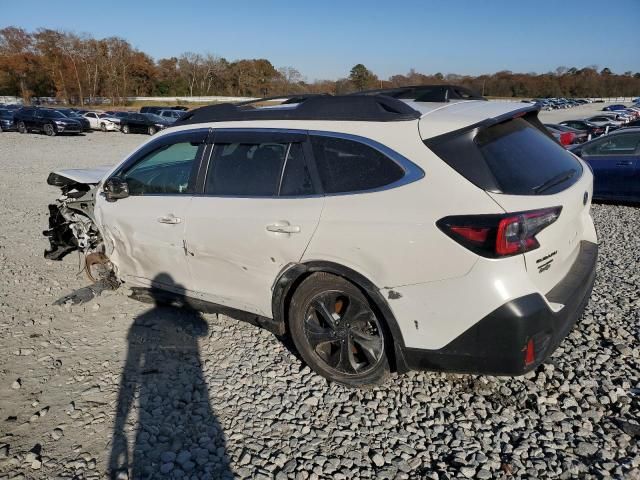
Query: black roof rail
point(366, 108)
point(427, 93)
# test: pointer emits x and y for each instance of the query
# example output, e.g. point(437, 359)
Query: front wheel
point(125, 129)
point(103, 127)
point(338, 332)
point(49, 130)
point(151, 130)
point(22, 128)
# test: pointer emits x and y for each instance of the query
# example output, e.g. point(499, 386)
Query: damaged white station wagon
point(414, 228)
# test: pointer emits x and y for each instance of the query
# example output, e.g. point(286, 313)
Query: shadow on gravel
point(163, 390)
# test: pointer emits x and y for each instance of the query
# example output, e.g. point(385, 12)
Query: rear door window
point(349, 166)
point(246, 169)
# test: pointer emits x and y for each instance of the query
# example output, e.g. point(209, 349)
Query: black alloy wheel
point(338, 332)
point(22, 128)
point(125, 129)
point(49, 130)
point(151, 130)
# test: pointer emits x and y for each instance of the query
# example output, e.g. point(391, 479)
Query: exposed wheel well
point(289, 280)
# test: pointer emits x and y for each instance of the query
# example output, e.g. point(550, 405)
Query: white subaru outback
point(416, 228)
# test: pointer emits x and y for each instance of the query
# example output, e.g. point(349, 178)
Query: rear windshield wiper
point(555, 180)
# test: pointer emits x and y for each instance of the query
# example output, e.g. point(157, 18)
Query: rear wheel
point(338, 332)
point(151, 130)
point(22, 128)
point(49, 130)
point(125, 129)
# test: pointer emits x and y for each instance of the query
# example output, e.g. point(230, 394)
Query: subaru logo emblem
point(585, 197)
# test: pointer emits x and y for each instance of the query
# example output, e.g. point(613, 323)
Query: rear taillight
point(566, 138)
point(497, 236)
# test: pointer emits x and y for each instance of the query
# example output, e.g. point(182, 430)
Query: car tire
point(22, 128)
point(151, 130)
point(103, 127)
point(338, 331)
point(49, 130)
point(125, 129)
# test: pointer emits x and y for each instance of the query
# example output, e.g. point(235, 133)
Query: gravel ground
point(177, 394)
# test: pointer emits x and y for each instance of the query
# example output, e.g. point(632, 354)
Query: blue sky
point(325, 38)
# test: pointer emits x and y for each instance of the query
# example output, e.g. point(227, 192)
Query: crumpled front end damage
point(71, 223)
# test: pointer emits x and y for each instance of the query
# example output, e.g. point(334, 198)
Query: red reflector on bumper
point(530, 353)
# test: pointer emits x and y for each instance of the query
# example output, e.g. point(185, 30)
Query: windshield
point(52, 114)
point(153, 117)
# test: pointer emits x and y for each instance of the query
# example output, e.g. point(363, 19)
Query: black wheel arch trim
point(291, 276)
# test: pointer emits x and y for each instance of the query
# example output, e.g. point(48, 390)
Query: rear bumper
point(497, 344)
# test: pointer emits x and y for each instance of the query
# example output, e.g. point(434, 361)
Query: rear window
point(513, 157)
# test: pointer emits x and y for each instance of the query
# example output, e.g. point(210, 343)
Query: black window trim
point(412, 172)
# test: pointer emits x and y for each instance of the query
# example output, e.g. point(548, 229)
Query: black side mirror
point(115, 188)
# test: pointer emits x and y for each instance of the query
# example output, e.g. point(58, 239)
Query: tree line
point(80, 69)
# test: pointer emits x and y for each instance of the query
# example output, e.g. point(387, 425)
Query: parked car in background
point(604, 121)
point(49, 121)
point(116, 116)
point(170, 115)
point(148, 123)
point(621, 116)
point(615, 161)
point(611, 108)
point(563, 138)
point(74, 115)
point(6, 120)
point(591, 129)
point(581, 136)
point(100, 121)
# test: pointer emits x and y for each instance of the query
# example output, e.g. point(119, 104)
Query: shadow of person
point(165, 427)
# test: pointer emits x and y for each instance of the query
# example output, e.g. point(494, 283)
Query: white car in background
point(424, 228)
point(604, 121)
point(100, 121)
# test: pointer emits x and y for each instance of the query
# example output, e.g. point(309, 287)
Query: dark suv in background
point(51, 122)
